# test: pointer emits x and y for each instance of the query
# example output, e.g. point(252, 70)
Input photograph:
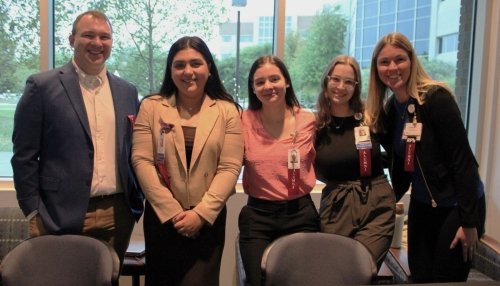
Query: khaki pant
point(365, 212)
point(108, 218)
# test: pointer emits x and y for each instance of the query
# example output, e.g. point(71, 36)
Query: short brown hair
point(95, 14)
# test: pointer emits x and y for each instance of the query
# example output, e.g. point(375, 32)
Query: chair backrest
point(317, 259)
point(13, 229)
point(60, 260)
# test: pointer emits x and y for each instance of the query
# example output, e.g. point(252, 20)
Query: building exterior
point(431, 25)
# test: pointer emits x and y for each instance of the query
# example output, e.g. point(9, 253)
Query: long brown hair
point(324, 116)
point(290, 97)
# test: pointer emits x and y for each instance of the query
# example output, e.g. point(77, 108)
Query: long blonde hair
point(417, 86)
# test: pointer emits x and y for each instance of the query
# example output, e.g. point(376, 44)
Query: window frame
point(473, 121)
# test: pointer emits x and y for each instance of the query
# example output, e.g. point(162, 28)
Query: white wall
point(484, 132)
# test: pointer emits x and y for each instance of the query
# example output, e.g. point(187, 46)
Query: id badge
point(413, 130)
point(361, 133)
point(160, 159)
point(293, 159)
point(160, 149)
point(362, 137)
point(293, 171)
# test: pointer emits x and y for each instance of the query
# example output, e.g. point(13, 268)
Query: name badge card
point(160, 149)
point(362, 137)
point(160, 159)
point(364, 146)
point(413, 130)
point(293, 159)
point(293, 171)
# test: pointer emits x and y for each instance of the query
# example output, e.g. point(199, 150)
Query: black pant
point(430, 233)
point(172, 259)
point(261, 222)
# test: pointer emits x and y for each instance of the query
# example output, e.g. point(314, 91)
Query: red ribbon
point(365, 162)
point(410, 154)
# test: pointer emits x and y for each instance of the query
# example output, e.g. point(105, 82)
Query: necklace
point(189, 109)
point(338, 125)
point(195, 106)
point(401, 108)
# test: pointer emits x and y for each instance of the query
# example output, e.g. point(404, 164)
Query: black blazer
point(445, 156)
point(53, 151)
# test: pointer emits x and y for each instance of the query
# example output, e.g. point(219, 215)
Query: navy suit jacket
point(53, 152)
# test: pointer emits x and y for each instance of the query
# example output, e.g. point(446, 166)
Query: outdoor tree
point(292, 44)
point(324, 41)
point(227, 70)
point(19, 39)
point(7, 49)
point(440, 70)
point(145, 31)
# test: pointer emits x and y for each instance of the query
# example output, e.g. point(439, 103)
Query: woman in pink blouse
point(279, 155)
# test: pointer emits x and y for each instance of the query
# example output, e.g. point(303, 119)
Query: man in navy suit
point(72, 141)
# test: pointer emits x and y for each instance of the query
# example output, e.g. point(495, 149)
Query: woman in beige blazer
point(187, 153)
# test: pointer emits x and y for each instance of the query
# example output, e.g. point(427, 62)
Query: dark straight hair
point(214, 87)
point(290, 97)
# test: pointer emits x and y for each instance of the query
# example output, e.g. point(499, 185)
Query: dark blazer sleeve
point(449, 131)
point(26, 138)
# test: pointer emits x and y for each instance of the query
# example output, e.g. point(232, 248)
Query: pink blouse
point(265, 173)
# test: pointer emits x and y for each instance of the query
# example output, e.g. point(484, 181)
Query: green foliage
point(440, 70)
point(6, 125)
point(18, 32)
point(227, 69)
point(311, 55)
point(291, 46)
point(144, 31)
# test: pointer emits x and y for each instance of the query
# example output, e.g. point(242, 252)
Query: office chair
point(13, 229)
point(317, 259)
point(60, 260)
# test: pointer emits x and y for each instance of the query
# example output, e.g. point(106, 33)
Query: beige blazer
point(215, 162)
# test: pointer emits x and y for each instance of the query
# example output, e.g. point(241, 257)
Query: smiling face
point(341, 84)
point(92, 44)
point(269, 85)
point(190, 73)
point(394, 67)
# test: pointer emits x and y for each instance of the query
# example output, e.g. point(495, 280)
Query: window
point(314, 32)
point(19, 29)
point(387, 6)
point(266, 28)
point(354, 27)
point(448, 43)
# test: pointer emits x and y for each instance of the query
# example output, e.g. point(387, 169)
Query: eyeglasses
point(336, 80)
